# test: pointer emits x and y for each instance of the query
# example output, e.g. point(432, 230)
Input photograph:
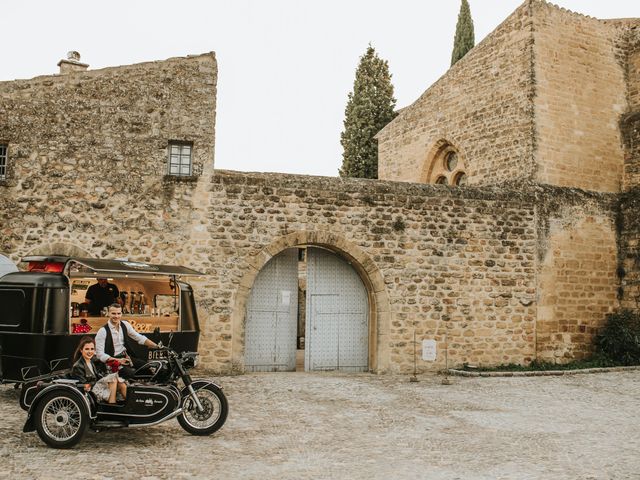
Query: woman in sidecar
point(92, 374)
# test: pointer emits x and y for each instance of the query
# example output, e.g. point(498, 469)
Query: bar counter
point(142, 323)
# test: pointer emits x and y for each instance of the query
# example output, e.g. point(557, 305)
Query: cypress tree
point(464, 39)
point(370, 107)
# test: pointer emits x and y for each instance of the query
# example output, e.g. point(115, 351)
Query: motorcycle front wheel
point(214, 410)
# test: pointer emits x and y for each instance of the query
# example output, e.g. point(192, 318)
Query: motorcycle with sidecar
point(43, 318)
point(61, 411)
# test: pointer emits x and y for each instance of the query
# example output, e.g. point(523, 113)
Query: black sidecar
point(61, 411)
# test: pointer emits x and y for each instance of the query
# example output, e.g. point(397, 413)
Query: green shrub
point(619, 340)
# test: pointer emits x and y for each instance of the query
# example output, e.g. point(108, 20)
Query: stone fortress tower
point(503, 220)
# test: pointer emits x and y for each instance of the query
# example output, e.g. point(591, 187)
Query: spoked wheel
point(213, 414)
point(61, 419)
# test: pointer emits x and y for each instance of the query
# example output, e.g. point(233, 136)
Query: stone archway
point(60, 248)
point(379, 311)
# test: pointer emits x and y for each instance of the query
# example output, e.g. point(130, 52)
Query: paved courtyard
point(300, 425)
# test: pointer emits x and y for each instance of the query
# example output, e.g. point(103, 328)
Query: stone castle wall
point(629, 219)
point(629, 47)
point(580, 96)
point(482, 106)
point(577, 271)
point(88, 159)
point(498, 274)
point(434, 259)
point(578, 144)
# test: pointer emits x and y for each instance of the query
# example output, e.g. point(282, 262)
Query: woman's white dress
point(101, 387)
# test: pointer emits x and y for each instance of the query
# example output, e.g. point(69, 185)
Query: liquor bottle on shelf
point(141, 301)
point(132, 302)
point(125, 304)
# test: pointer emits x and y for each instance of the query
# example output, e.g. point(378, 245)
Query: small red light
point(51, 267)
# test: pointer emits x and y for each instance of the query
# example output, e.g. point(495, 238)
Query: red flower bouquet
point(113, 365)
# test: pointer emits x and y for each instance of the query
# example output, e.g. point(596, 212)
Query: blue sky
point(285, 66)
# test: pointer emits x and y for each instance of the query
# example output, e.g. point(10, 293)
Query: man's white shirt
point(118, 340)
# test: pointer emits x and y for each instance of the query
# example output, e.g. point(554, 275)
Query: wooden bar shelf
point(142, 323)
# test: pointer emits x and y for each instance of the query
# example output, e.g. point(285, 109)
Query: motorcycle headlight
point(190, 360)
point(196, 360)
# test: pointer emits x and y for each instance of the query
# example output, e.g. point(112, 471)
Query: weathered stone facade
point(460, 261)
point(517, 266)
point(87, 159)
point(576, 270)
point(482, 106)
point(630, 122)
point(539, 99)
point(569, 123)
point(578, 142)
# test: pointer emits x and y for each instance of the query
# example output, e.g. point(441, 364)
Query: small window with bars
point(3, 161)
point(180, 158)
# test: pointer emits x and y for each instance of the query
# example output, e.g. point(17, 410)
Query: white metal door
point(337, 329)
point(272, 315)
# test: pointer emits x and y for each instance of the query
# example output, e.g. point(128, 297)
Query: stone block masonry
point(629, 46)
point(482, 106)
point(539, 99)
point(87, 159)
point(493, 275)
point(578, 136)
point(462, 262)
point(436, 260)
point(577, 275)
point(507, 270)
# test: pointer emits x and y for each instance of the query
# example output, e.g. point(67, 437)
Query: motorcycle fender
point(28, 425)
point(28, 391)
point(80, 396)
point(198, 384)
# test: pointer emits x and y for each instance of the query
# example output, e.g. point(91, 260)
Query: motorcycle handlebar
point(171, 351)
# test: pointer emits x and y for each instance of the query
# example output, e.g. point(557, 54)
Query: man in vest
point(115, 341)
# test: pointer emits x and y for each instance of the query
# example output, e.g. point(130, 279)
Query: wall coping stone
point(56, 77)
point(521, 190)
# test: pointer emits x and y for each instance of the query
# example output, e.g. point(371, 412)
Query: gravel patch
point(317, 426)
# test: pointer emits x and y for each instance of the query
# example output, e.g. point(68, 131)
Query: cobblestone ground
point(299, 426)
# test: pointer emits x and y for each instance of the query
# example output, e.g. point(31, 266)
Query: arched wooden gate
point(337, 325)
